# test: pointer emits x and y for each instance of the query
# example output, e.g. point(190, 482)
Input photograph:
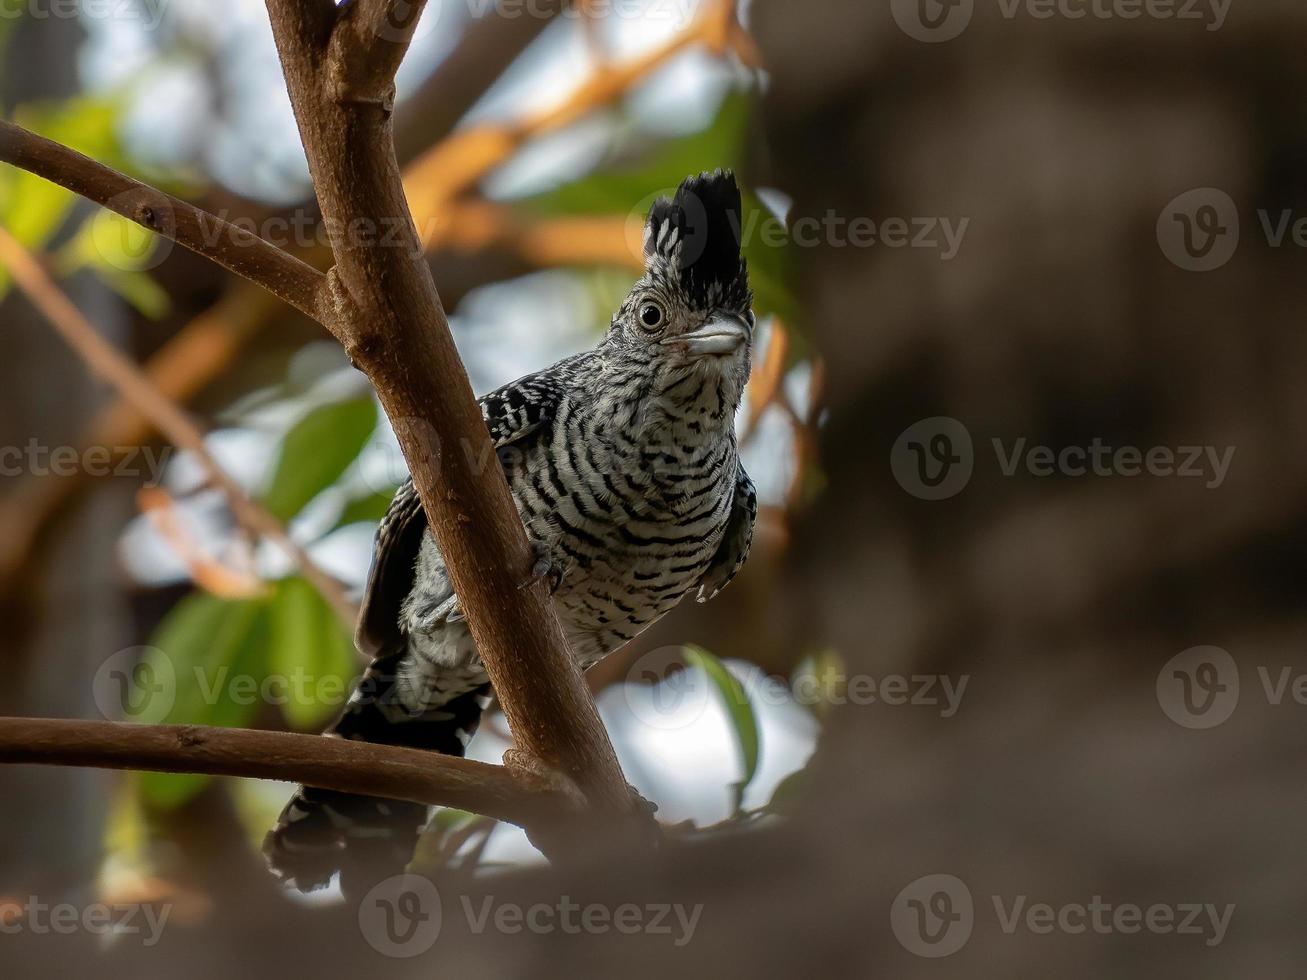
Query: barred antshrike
point(624, 467)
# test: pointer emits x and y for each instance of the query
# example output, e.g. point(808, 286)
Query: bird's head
point(692, 310)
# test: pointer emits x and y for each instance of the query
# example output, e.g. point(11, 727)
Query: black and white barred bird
point(624, 467)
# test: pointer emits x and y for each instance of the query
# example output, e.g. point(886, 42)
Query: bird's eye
point(651, 316)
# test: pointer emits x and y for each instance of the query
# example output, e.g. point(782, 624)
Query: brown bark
point(326, 763)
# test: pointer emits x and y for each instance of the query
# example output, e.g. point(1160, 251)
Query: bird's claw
point(545, 569)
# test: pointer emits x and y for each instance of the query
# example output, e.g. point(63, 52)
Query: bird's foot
point(545, 569)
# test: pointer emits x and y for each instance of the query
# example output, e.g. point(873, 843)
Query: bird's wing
point(513, 414)
point(734, 549)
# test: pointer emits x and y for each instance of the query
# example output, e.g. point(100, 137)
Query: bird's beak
point(724, 335)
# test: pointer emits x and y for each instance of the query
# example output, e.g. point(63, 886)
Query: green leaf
point(212, 650)
point(317, 451)
point(119, 252)
point(739, 710)
point(310, 655)
point(33, 209)
point(370, 509)
point(137, 288)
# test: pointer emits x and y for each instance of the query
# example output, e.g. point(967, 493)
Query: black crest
point(695, 237)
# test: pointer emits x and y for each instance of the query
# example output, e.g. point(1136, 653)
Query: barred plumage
point(624, 467)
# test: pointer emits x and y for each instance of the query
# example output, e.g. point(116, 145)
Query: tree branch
point(389, 318)
point(235, 249)
point(326, 763)
point(130, 381)
point(368, 43)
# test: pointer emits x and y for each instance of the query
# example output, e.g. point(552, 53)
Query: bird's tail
point(367, 838)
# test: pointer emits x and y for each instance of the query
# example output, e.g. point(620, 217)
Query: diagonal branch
point(130, 382)
point(235, 249)
point(325, 763)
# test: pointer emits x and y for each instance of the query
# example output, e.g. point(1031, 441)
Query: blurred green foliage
point(229, 658)
point(317, 451)
point(36, 211)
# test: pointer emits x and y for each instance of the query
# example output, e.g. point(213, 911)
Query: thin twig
point(236, 249)
point(130, 381)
